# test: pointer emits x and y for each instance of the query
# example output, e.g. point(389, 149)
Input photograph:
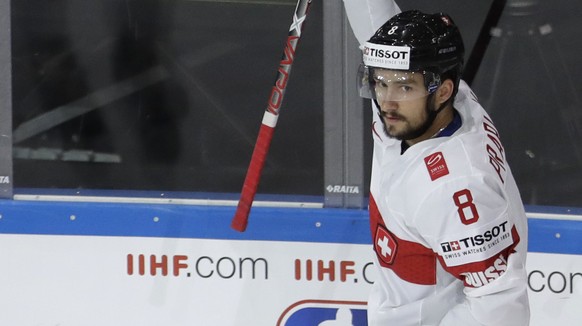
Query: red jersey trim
point(480, 273)
point(409, 260)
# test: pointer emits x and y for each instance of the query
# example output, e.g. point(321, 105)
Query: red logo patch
point(385, 245)
point(436, 165)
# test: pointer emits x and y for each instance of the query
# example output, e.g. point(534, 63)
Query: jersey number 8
point(465, 207)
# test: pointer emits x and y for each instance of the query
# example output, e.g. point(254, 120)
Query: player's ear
point(445, 91)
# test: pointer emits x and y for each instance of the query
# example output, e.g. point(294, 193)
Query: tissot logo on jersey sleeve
point(436, 165)
point(450, 246)
point(477, 244)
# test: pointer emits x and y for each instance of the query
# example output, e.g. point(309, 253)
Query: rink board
point(161, 264)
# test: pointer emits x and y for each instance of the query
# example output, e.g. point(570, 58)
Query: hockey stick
point(483, 39)
point(241, 216)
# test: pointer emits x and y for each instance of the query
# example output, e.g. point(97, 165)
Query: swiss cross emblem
point(385, 245)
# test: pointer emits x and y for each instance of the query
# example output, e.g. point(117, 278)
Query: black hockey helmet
point(415, 41)
point(434, 40)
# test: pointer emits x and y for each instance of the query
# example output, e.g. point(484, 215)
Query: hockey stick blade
point(251, 183)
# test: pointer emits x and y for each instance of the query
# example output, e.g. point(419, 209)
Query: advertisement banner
point(78, 280)
point(555, 288)
point(130, 264)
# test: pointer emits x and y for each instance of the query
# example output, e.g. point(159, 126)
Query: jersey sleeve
point(366, 16)
point(468, 222)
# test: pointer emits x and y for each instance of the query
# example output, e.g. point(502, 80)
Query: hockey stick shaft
point(483, 39)
point(253, 176)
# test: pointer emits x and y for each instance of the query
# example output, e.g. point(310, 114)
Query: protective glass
point(395, 85)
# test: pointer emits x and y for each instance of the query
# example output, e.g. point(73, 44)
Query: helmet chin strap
point(433, 113)
point(431, 107)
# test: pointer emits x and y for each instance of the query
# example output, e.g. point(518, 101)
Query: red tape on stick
point(241, 217)
point(255, 169)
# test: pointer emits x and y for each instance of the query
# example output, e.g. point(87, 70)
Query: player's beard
point(415, 131)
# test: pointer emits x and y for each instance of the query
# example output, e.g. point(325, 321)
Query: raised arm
point(366, 16)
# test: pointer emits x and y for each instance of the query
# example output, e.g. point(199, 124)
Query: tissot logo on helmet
point(425, 33)
point(385, 56)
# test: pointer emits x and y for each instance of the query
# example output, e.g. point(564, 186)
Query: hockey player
point(448, 225)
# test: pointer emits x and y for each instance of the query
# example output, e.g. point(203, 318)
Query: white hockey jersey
point(447, 221)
